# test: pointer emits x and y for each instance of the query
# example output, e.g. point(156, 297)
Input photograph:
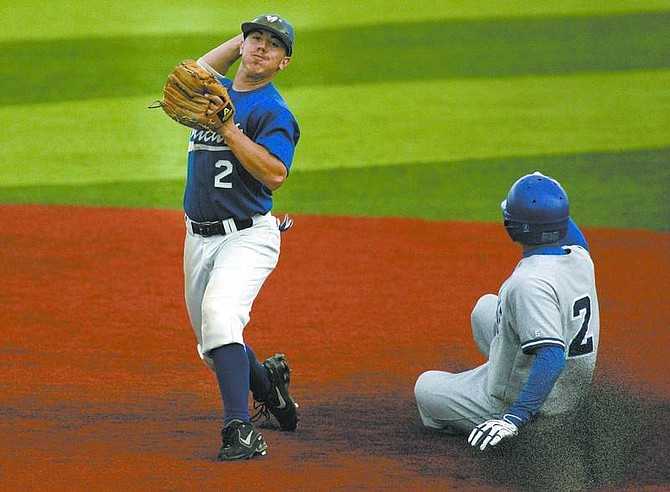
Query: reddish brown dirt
point(102, 388)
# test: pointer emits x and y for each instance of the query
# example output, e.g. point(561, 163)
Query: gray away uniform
point(548, 300)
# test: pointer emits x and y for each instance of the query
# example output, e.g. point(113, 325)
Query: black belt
point(216, 228)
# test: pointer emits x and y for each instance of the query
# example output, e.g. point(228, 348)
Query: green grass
point(450, 120)
point(102, 67)
point(46, 19)
point(112, 140)
point(627, 189)
point(430, 110)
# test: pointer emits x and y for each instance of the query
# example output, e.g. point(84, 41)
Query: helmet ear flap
point(516, 230)
point(534, 234)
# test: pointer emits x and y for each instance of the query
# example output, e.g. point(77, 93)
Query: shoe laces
point(262, 412)
point(228, 433)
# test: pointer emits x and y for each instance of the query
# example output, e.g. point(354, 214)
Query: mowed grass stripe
point(450, 120)
point(621, 189)
point(355, 126)
point(626, 189)
point(81, 18)
point(73, 69)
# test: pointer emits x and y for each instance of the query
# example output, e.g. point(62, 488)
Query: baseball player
point(232, 240)
point(539, 334)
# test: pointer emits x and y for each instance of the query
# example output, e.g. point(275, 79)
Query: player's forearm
point(223, 56)
point(255, 158)
point(547, 367)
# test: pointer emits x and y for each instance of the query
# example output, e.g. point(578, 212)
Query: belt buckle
point(205, 229)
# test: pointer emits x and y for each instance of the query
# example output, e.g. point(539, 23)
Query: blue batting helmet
point(536, 210)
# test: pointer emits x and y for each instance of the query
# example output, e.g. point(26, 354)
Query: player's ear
point(284, 63)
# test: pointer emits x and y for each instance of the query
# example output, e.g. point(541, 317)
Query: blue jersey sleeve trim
point(547, 367)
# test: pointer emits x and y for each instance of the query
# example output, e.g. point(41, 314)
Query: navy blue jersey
point(217, 185)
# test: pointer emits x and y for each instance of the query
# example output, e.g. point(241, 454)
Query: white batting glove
point(492, 432)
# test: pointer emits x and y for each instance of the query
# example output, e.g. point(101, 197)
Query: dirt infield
point(102, 388)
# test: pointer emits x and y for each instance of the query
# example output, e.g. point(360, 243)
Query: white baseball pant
point(223, 274)
point(458, 402)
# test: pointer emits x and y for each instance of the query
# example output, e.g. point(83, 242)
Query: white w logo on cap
point(272, 18)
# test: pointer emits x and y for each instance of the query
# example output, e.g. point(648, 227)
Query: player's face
point(263, 53)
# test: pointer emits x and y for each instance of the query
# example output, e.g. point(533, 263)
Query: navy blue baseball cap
point(276, 25)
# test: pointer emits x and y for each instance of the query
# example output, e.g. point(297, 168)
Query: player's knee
point(483, 321)
point(423, 386)
point(424, 396)
point(484, 311)
point(222, 323)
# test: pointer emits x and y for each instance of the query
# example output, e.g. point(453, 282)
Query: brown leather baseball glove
point(184, 97)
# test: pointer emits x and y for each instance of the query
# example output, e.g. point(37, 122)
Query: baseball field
point(416, 119)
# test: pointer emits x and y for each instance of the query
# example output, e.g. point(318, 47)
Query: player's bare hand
point(215, 103)
point(491, 433)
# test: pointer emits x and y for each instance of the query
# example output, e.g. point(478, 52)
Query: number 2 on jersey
point(219, 177)
point(581, 344)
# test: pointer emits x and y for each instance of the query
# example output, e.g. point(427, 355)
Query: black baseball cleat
point(279, 403)
point(241, 441)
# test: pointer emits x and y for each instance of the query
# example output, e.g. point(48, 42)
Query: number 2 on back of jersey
point(582, 344)
point(219, 178)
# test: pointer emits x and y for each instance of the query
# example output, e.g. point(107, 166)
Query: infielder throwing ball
point(240, 150)
point(539, 334)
